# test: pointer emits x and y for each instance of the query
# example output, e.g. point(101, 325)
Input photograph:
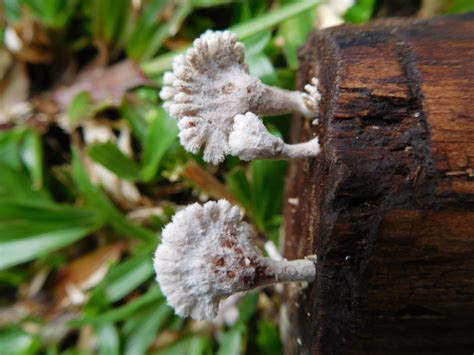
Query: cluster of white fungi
point(206, 252)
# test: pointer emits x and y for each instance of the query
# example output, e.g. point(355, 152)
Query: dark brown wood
point(388, 206)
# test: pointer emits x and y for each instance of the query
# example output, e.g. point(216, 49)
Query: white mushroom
point(211, 84)
point(250, 140)
point(207, 254)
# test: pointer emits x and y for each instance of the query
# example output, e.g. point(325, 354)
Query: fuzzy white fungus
point(250, 140)
point(207, 254)
point(211, 84)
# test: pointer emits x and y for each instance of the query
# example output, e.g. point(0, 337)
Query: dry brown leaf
point(166, 338)
point(177, 44)
point(429, 8)
point(207, 182)
point(106, 84)
point(123, 192)
point(86, 272)
point(30, 41)
point(87, 339)
point(14, 87)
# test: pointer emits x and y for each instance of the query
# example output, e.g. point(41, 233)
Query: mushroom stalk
point(291, 271)
point(250, 140)
point(301, 150)
point(270, 100)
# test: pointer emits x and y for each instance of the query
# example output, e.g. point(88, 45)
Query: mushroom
point(250, 140)
point(211, 85)
point(207, 254)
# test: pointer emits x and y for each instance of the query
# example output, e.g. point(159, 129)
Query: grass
point(92, 170)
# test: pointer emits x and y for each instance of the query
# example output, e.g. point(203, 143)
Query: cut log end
point(388, 206)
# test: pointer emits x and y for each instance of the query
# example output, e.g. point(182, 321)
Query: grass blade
point(108, 339)
point(243, 30)
point(110, 156)
point(127, 276)
point(266, 21)
point(28, 231)
point(162, 133)
point(140, 339)
point(98, 200)
point(152, 296)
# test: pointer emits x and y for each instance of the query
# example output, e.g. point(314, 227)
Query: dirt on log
point(388, 206)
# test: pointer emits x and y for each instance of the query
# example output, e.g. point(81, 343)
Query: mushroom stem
point(301, 150)
point(269, 271)
point(250, 140)
point(270, 101)
point(290, 271)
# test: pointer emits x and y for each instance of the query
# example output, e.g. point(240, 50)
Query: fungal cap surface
point(206, 89)
point(205, 255)
point(251, 140)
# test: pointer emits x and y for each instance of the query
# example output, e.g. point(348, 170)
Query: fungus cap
point(206, 89)
point(205, 255)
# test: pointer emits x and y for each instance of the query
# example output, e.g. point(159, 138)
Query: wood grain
point(388, 206)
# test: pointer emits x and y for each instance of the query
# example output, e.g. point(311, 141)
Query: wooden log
point(388, 206)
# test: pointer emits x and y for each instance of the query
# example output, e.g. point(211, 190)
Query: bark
point(388, 206)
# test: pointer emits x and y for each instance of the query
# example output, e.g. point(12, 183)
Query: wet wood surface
point(388, 206)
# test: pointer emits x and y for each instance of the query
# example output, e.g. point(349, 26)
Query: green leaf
point(160, 64)
point(182, 346)
point(30, 229)
point(191, 345)
point(110, 156)
point(14, 277)
point(99, 201)
point(230, 343)
point(153, 296)
point(458, 6)
point(248, 306)
point(268, 20)
point(268, 338)
point(295, 33)
point(108, 339)
point(16, 184)
point(53, 13)
point(19, 210)
point(210, 3)
point(145, 27)
point(140, 338)
point(200, 345)
point(243, 30)
point(109, 19)
point(21, 152)
point(255, 44)
point(127, 276)
point(15, 341)
point(268, 181)
point(148, 46)
point(134, 114)
point(32, 156)
point(240, 187)
point(260, 66)
point(12, 10)
point(80, 107)
point(162, 134)
point(10, 142)
point(360, 12)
